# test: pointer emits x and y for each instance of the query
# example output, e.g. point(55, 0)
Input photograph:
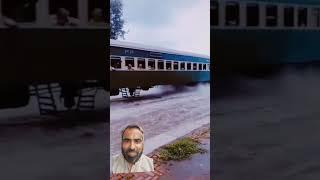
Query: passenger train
point(135, 66)
point(51, 41)
point(248, 34)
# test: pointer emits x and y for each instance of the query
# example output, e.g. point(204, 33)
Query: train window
point(271, 15)
point(204, 66)
point(194, 66)
point(316, 17)
point(64, 12)
point(232, 14)
point(19, 11)
point(214, 13)
point(200, 66)
point(182, 65)
point(129, 61)
point(116, 62)
point(97, 10)
point(188, 66)
point(302, 17)
point(252, 14)
point(141, 63)
point(175, 65)
point(168, 65)
point(70, 5)
point(151, 64)
point(288, 18)
point(160, 64)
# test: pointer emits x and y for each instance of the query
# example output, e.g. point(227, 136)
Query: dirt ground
point(163, 112)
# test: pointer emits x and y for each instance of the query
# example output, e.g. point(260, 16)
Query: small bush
point(180, 150)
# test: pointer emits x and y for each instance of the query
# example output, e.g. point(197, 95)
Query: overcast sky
point(174, 24)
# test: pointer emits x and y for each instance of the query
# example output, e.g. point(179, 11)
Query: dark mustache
point(131, 150)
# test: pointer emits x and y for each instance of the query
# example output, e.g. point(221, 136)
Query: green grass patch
point(180, 150)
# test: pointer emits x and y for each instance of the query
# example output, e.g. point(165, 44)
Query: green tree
point(116, 19)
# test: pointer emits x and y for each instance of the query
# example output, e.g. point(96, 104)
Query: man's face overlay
point(132, 145)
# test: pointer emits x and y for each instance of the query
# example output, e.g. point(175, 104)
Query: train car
point(135, 66)
point(51, 41)
point(249, 34)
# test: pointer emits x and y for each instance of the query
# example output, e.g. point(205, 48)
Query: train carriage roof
point(137, 46)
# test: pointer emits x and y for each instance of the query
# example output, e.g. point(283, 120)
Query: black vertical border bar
point(107, 39)
point(212, 122)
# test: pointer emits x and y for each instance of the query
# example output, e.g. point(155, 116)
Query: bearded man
point(131, 159)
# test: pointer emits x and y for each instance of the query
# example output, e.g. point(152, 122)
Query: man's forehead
point(132, 133)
